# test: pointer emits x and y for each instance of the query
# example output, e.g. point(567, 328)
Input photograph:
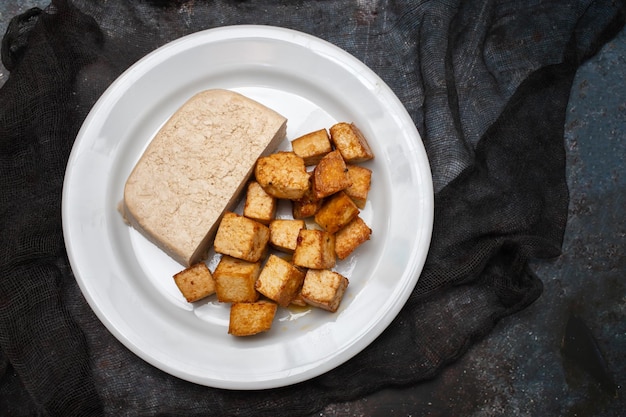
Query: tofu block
point(350, 237)
point(259, 205)
point(196, 168)
point(361, 179)
point(315, 249)
point(337, 211)
point(241, 237)
point(195, 282)
point(279, 280)
point(282, 175)
point(330, 175)
point(247, 319)
point(235, 280)
point(324, 289)
point(284, 234)
point(312, 146)
point(349, 140)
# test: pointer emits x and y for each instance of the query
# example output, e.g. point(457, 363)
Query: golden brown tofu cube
point(337, 211)
point(324, 289)
point(259, 205)
point(282, 175)
point(241, 237)
point(298, 301)
point(361, 179)
point(330, 175)
point(351, 236)
point(247, 319)
point(315, 249)
point(284, 234)
point(235, 280)
point(312, 146)
point(307, 205)
point(280, 280)
point(349, 140)
point(195, 282)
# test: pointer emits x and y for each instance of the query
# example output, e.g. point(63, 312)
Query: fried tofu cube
point(312, 146)
point(324, 289)
point(259, 205)
point(351, 236)
point(280, 280)
point(361, 179)
point(284, 234)
point(315, 249)
point(282, 175)
point(247, 319)
point(307, 205)
point(195, 282)
point(235, 280)
point(298, 301)
point(330, 175)
point(349, 140)
point(241, 237)
point(337, 211)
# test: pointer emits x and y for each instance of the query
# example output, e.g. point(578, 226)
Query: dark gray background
point(518, 369)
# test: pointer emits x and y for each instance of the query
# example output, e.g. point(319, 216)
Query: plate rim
point(234, 32)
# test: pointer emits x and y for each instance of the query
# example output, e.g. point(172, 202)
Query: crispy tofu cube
point(351, 236)
point(259, 205)
point(195, 282)
point(337, 211)
point(247, 319)
point(315, 249)
point(361, 179)
point(298, 301)
point(349, 140)
point(282, 175)
point(307, 205)
point(324, 289)
point(235, 280)
point(284, 234)
point(280, 280)
point(330, 175)
point(241, 237)
point(312, 146)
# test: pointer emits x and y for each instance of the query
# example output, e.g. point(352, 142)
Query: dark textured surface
point(519, 369)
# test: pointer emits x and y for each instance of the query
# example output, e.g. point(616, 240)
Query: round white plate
point(128, 281)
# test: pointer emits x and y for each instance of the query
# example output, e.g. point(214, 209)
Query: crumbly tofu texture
point(241, 237)
point(324, 289)
point(247, 319)
point(282, 175)
point(195, 282)
point(195, 168)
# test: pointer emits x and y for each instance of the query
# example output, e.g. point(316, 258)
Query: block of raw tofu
point(195, 168)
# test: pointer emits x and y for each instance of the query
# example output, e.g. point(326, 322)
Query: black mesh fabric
point(487, 84)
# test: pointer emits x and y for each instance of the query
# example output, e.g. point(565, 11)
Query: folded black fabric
point(487, 84)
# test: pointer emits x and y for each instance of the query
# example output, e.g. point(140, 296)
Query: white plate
point(128, 282)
